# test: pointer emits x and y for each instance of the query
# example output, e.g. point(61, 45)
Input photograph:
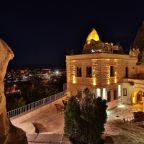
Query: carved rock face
point(6, 133)
point(139, 39)
point(5, 56)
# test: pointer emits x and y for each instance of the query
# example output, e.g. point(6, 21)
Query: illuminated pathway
point(50, 125)
point(124, 133)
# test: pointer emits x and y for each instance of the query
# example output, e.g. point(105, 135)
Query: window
point(124, 91)
point(115, 95)
point(79, 72)
point(111, 71)
point(126, 72)
point(89, 71)
point(108, 96)
point(104, 93)
point(119, 90)
point(98, 92)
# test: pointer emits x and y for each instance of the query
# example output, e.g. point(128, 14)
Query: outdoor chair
point(59, 108)
point(64, 102)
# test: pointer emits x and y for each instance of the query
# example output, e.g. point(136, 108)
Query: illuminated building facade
point(105, 70)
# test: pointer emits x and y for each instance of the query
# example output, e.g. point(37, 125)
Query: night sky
point(40, 32)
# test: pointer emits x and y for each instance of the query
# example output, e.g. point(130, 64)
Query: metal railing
point(35, 105)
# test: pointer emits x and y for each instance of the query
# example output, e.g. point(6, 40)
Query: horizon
point(41, 33)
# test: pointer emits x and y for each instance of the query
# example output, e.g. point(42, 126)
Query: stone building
point(106, 71)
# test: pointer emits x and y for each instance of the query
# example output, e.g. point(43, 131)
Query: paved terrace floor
point(50, 125)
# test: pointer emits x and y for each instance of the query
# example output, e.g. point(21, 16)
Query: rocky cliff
point(139, 39)
point(9, 134)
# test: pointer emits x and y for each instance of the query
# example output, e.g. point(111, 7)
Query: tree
point(71, 116)
point(93, 113)
point(84, 121)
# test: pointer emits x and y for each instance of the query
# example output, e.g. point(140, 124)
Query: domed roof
point(93, 35)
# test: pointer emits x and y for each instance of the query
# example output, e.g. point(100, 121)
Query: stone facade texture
point(100, 64)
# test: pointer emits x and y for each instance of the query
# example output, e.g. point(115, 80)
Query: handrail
point(35, 105)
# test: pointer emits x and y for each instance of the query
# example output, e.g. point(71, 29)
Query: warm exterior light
point(104, 93)
point(92, 36)
point(108, 82)
point(115, 80)
point(115, 60)
point(98, 92)
point(94, 81)
point(133, 100)
point(119, 90)
point(74, 80)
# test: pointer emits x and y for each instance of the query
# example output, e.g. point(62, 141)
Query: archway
point(137, 96)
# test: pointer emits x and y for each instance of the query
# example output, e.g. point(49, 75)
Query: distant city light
point(57, 72)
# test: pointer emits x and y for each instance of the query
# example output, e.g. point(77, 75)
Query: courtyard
point(47, 126)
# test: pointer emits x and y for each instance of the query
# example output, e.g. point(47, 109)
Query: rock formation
point(92, 36)
point(95, 45)
point(139, 39)
point(134, 52)
point(139, 43)
point(9, 134)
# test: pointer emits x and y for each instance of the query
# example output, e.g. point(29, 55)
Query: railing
point(34, 105)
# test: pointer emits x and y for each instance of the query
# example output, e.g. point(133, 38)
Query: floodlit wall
point(122, 65)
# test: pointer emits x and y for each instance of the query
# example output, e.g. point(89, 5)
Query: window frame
point(115, 94)
point(78, 71)
point(124, 91)
point(112, 71)
point(108, 96)
point(89, 70)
